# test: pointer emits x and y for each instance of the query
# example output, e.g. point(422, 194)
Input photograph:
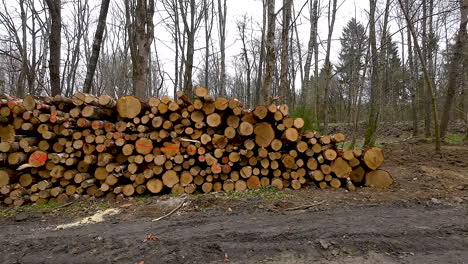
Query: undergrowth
point(308, 115)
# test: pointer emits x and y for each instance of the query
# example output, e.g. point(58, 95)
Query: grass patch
point(51, 204)
point(265, 192)
point(7, 212)
point(143, 196)
point(455, 139)
point(200, 195)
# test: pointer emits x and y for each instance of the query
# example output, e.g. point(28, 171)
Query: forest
point(398, 61)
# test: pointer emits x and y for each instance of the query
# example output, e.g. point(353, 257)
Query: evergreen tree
point(352, 55)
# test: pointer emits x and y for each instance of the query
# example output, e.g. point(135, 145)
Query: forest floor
point(421, 219)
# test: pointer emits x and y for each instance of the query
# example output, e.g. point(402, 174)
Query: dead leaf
point(151, 237)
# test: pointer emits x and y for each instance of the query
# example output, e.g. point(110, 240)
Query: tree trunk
point(262, 55)
point(454, 76)
point(222, 9)
point(306, 84)
point(141, 32)
point(374, 93)
point(265, 92)
point(97, 43)
point(327, 64)
point(426, 77)
point(283, 92)
point(54, 7)
point(414, 106)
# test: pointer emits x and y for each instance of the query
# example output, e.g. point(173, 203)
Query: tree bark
point(283, 92)
point(327, 65)
point(265, 91)
point(261, 56)
point(54, 7)
point(97, 43)
point(141, 33)
point(426, 77)
point(454, 76)
point(373, 115)
point(306, 84)
point(222, 10)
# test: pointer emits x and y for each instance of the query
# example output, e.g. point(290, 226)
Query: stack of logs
point(57, 147)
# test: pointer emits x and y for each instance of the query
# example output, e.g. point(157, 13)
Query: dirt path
point(421, 219)
point(399, 232)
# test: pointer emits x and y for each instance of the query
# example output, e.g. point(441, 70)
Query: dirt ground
point(423, 218)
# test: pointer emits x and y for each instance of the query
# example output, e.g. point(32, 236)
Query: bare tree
point(306, 84)
point(241, 27)
point(427, 78)
point(208, 18)
point(259, 78)
point(141, 33)
point(222, 12)
point(74, 35)
point(97, 43)
point(374, 92)
point(265, 91)
point(191, 18)
point(283, 91)
point(54, 7)
point(454, 77)
point(332, 8)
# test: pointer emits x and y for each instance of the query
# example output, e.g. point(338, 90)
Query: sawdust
point(96, 218)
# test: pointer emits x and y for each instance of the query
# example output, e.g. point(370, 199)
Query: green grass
point(265, 192)
point(455, 139)
point(7, 212)
point(49, 205)
point(143, 196)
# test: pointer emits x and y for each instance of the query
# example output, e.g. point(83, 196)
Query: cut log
point(330, 154)
point(253, 182)
point(107, 101)
point(246, 129)
point(240, 185)
point(128, 106)
point(200, 91)
point(373, 158)
point(264, 134)
point(213, 120)
point(335, 183)
point(291, 134)
point(260, 112)
point(154, 185)
point(341, 168)
point(170, 178)
point(144, 146)
point(357, 175)
point(379, 179)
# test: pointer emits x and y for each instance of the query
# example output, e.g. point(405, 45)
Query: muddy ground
point(423, 218)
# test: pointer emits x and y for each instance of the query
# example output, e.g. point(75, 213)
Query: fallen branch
point(63, 205)
point(303, 207)
point(170, 213)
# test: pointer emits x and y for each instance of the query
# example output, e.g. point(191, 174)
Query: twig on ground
point(303, 207)
point(170, 213)
point(63, 205)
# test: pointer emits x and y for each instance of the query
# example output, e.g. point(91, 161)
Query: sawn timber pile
point(57, 148)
